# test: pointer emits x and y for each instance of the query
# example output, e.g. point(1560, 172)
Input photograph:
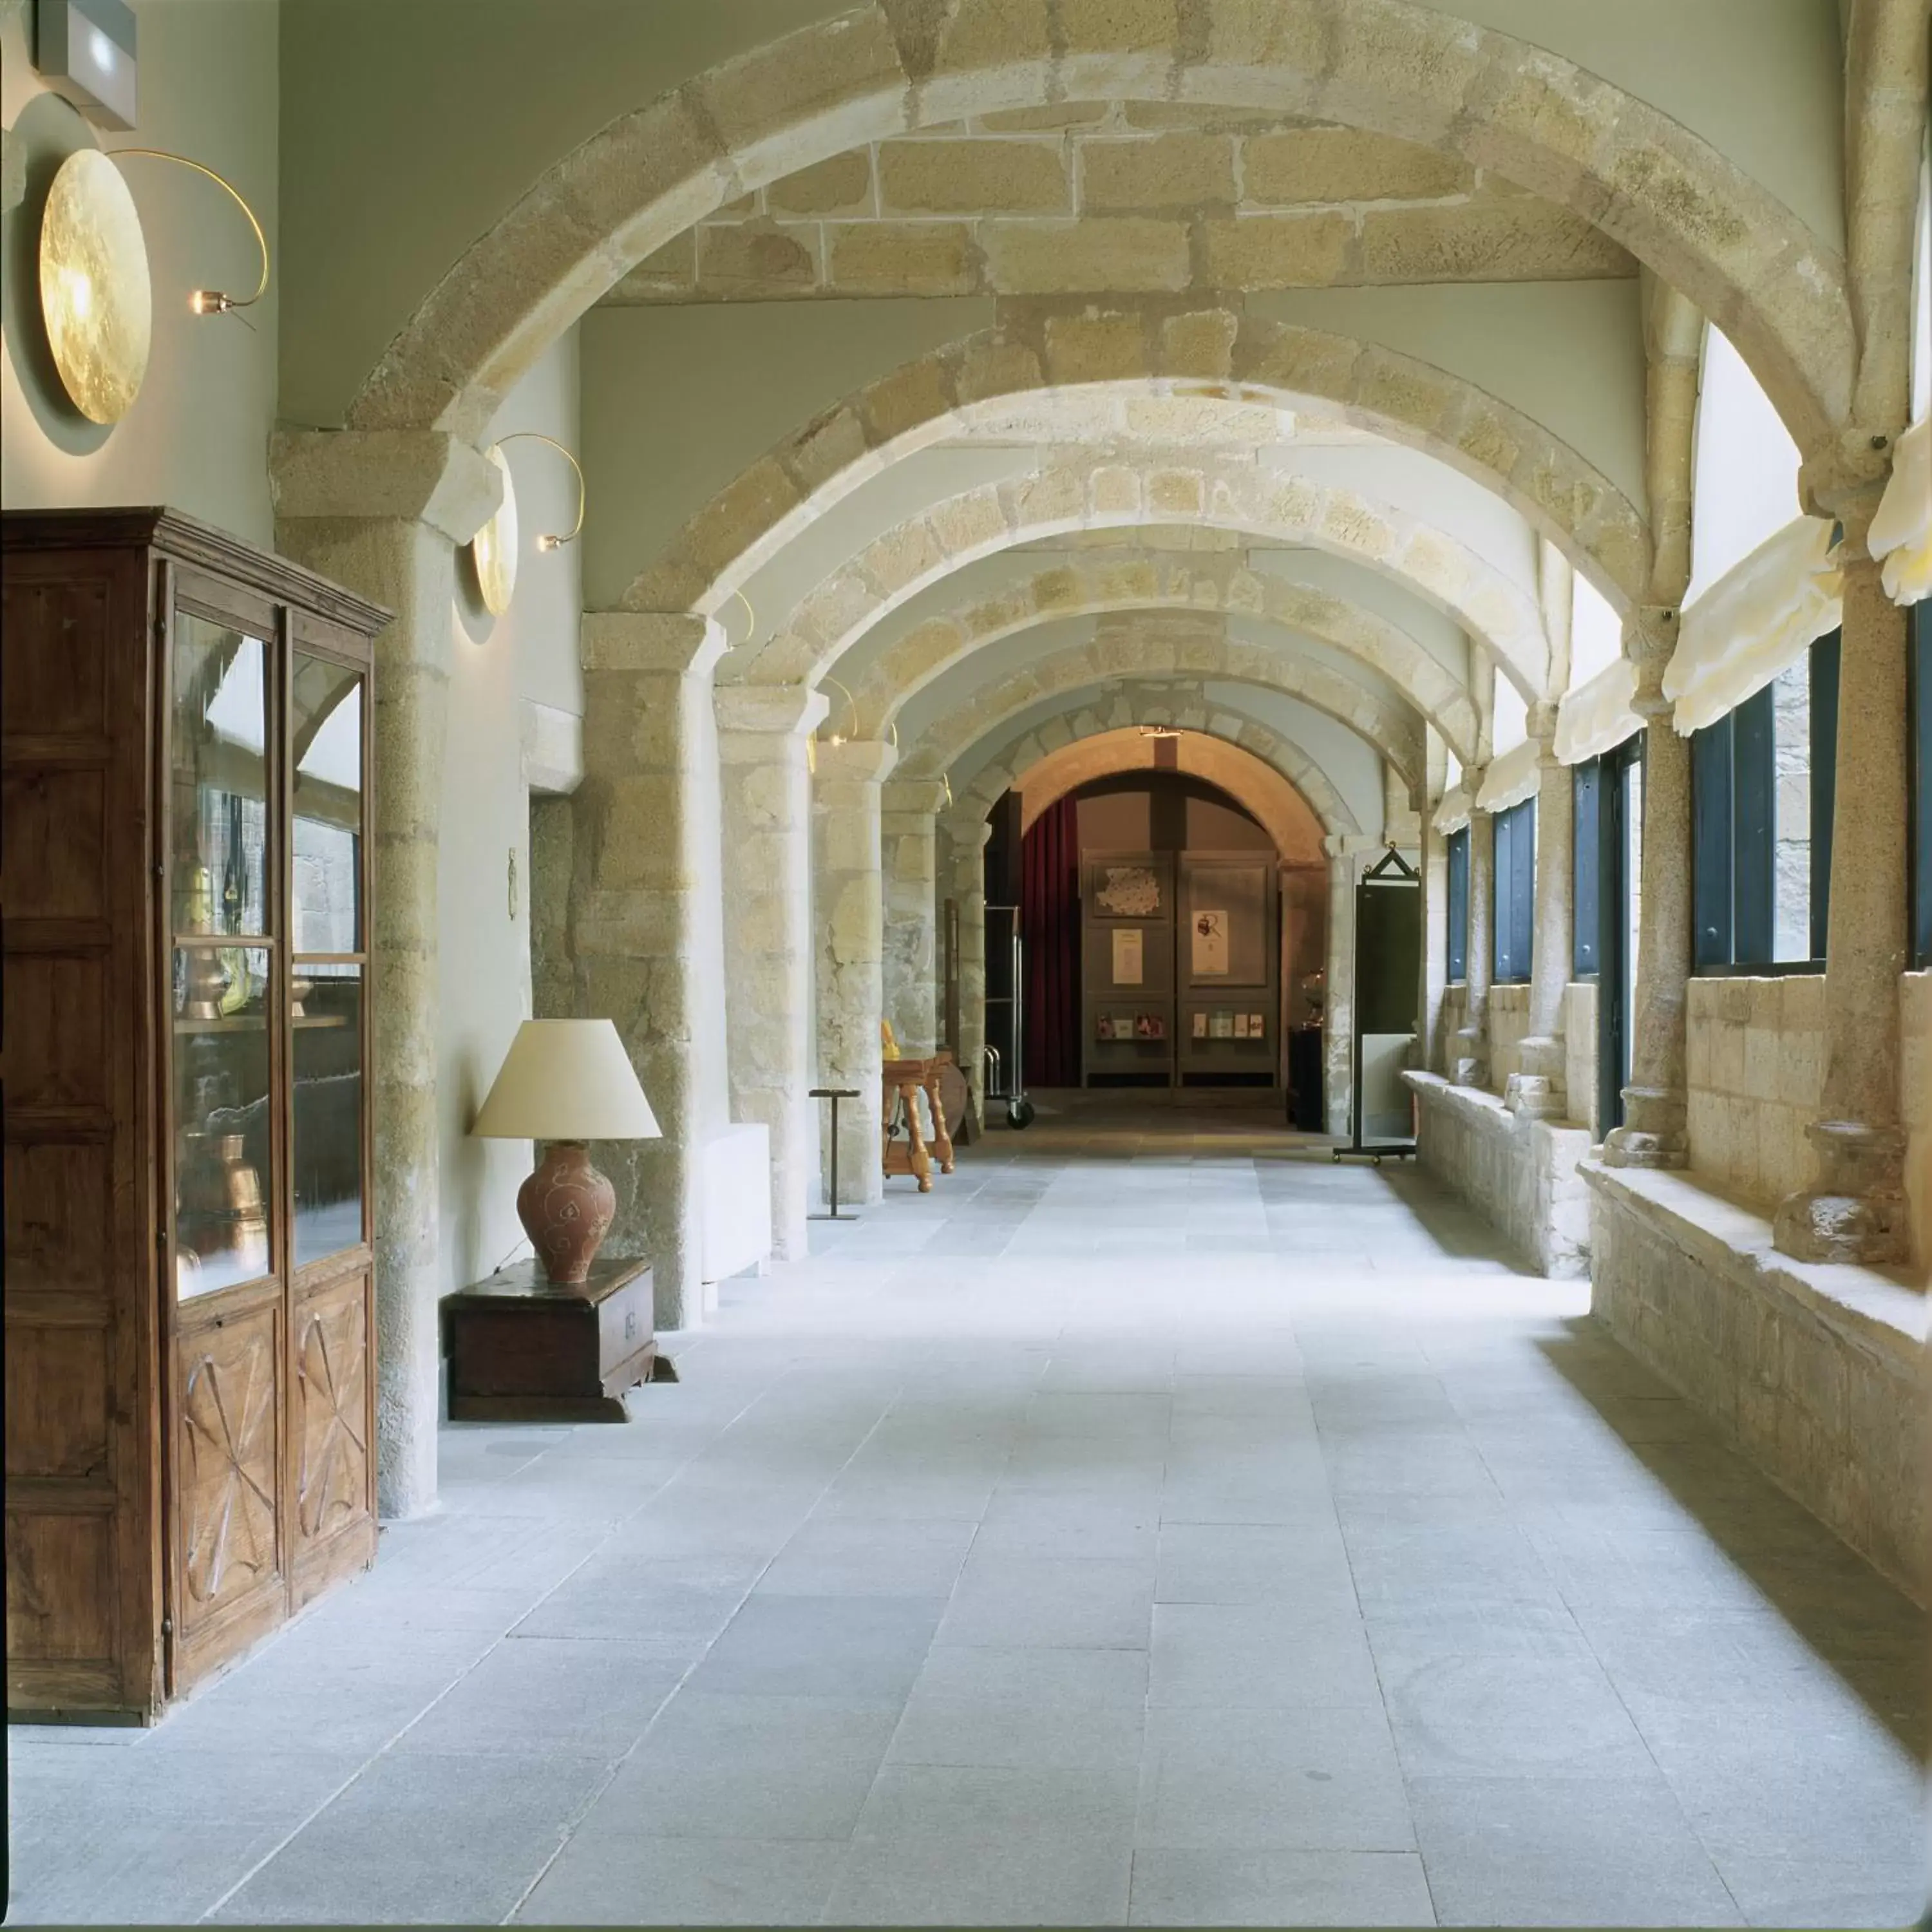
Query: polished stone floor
point(1158, 1524)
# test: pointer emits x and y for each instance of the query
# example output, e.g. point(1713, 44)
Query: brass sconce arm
point(537, 436)
point(211, 302)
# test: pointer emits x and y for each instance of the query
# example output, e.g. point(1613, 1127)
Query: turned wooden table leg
point(921, 1162)
point(942, 1141)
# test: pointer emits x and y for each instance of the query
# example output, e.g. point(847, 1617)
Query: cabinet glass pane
point(325, 720)
point(327, 1015)
point(223, 1190)
point(219, 772)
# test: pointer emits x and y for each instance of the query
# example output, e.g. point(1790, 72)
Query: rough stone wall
point(1519, 1171)
point(1122, 197)
point(1509, 1022)
point(1756, 1061)
point(1579, 1046)
point(1817, 1372)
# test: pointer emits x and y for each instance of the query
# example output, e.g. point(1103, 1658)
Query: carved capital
point(1650, 641)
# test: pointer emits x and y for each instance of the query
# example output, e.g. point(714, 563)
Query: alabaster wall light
point(494, 550)
point(97, 299)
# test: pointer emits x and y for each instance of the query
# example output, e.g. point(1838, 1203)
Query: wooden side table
point(906, 1080)
point(523, 1349)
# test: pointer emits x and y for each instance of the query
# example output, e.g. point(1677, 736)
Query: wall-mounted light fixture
point(493, 550)
point(97, 299)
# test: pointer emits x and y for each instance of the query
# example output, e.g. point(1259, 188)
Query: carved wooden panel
point(57, 1391)
point(226, 1461)
point(59, 687)
point(332, 1399)
point(59, 1215)
point(52, 835)
point(57, 1019)
point(60, 1585)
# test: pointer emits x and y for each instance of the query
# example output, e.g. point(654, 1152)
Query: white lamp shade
point(566, 1080)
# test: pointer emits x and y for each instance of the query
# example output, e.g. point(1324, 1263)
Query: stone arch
point(1073, 493)
point(1153, 581)
point(1183, 661)
point(1220, 351)
point(1258, 788)
point(1398, 68)
point(1088, 715)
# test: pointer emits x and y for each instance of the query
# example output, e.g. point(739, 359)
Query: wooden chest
point(521, 1349)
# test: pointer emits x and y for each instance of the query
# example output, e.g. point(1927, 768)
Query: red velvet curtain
point(1050, 928)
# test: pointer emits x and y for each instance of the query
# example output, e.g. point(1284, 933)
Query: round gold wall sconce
point(95, 297)
point(493, 549)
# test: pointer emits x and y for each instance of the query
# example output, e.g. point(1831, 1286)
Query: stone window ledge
point(1476, 1102)
point(1882, 1310)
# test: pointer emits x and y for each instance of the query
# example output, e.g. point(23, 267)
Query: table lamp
point(566, 1082)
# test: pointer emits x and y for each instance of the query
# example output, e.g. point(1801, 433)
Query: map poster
point(1211, 944)
point(1127, 970)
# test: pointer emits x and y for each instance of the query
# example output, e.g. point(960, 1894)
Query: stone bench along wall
point(1520, 1172)
point(1817, 1372)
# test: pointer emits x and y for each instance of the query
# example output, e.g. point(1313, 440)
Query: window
point(1919, 660)
point(1762, 781)
point(1459, 904)
point(1586, 946)
point(1516, 890)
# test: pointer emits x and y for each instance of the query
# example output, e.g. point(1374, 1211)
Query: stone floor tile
point(965, 1732)
point(451, 1840)
point(848, 1647)
point(637, 1880)
point(1062, 1679)
point(1233, 1887)
point(1268, 1654)
point(857, 1556)
point(1032, 1880)
point(1084, 1603)
point(999, 1805)
point(1537, 1851)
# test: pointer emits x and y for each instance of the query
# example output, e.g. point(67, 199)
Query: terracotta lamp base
point(566, 1208)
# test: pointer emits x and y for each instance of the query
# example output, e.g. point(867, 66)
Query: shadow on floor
point(1876, 1640)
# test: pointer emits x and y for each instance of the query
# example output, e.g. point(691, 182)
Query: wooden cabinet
point(184, 757)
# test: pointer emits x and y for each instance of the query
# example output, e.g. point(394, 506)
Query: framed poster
point(1211, 945)
point(1128, 891)
point(1129, 960)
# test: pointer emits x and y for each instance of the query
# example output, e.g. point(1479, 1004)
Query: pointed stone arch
point(1217, 351)
point(1149, 580)
point(1398, 68)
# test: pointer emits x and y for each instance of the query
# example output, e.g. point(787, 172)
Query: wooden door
point(82, 1559)
point(221, 989)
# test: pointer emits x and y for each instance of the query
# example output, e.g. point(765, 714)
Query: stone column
point(643, 913)
point(1541, 1087)
point(909, 831)
point(1856, 1210)
point(966, 841)
point(849, 917)
point(383, 513)
point(1435, 943)
point(767, 787)
point(1338, 1021)
point(1469, 1052)
point(1655, 1103)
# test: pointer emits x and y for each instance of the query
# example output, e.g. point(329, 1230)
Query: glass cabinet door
point(222, 958)
point(326, 1018)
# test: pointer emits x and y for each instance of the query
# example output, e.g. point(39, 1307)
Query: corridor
point(1157, 1524)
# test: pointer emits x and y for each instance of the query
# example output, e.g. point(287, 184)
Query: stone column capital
point(969, 834)
point(1845, 479)
point(673, 641)
point(404, 476)
point(926, 797)
point(780, 710)
point(1540, 723)
point(857, 760)
point(1650, 641)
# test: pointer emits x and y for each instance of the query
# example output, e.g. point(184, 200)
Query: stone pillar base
point(1469, 1058)
point(1653, 1133)
point(1857, 1212)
